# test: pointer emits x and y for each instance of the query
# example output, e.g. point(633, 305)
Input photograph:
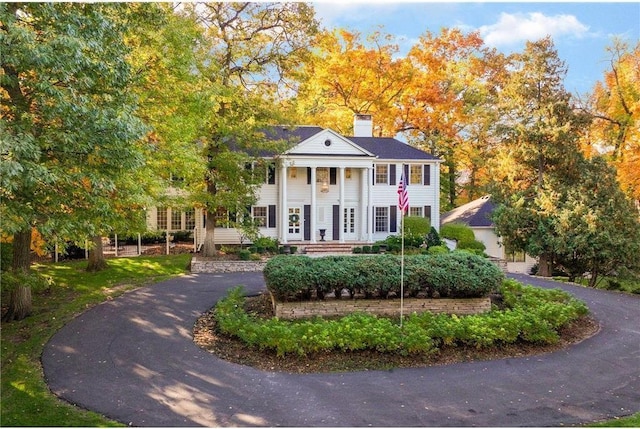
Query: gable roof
point(475, 213)
point(381, 147)
point(293, 134)
point(390, 148)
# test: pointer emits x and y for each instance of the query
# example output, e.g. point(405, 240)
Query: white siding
point(338, 145)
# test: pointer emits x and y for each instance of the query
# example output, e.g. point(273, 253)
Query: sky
point(581, 31)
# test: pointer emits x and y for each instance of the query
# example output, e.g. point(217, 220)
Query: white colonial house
point(477, 215)
point(329, 187)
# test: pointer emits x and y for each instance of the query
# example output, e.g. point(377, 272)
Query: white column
point(314, 209)
point(284, 210)
point(370, 205)
point(341, 214)
point(364, 204)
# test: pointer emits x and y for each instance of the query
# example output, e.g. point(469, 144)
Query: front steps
point(328, 248)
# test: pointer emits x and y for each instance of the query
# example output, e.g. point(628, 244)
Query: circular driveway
point(133, 360)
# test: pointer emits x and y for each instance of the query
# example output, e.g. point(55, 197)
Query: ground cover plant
point(26, 399)
point(528, 315)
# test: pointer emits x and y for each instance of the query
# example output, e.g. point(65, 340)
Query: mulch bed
point(231, 349)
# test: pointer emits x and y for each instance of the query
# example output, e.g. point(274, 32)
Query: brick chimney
point(362, 126)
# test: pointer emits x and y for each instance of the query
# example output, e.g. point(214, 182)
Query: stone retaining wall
point(203, 265)
point(341, 307)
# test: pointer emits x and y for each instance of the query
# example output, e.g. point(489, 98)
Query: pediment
point(328, 143)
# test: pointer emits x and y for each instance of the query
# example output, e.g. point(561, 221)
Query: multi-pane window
point(176, 220)
point(190, 219)
point(161, 218)
point(382, 219)
point(415, 174)
point(415, 211)
point(382, 173)
point(260, 216)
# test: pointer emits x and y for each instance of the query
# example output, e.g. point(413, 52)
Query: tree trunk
point(19, 305)
point(97, 261)
point(544, 265)
point(209, 243)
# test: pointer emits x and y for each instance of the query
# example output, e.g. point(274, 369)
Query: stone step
point(328, 248)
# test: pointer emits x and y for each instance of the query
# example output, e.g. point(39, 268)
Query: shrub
point(244, 255)
point(366, 249)
point(532, 314)
point(357, 250)
point(437, 250)
point(268, 244)
point(288, 277)
point(454, 275)
point(433, 238)
point(416, 229)
point(457, 231)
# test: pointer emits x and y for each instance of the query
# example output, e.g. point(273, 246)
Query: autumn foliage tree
point(350, 74)
point(614, 105)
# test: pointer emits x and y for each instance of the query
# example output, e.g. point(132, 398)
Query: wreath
point(294, 218)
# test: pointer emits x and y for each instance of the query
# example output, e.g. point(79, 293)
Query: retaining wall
point(390, 307)
point(203, 265)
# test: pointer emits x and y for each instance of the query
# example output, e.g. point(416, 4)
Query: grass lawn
point(26, 399)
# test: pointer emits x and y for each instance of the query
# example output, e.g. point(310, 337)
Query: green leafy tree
point(248, 54)
point(596, 227)
point(68, 124)
point(538, 132)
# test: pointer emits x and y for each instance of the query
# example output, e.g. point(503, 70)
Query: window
point(382, 219)
point(161, 218)
point(415, 175)
point(260, 216)
point(322, 175)
point(190, 219)
point(176, 220)
point(271, 173)
point(415, 211)
point(382, 174)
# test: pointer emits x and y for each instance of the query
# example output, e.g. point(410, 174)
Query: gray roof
point(475, 213)
point(390, 148)
point(382, 147)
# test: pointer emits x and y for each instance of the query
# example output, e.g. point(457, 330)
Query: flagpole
point(402, 268)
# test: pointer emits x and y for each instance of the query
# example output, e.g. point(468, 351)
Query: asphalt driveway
point(133, 359)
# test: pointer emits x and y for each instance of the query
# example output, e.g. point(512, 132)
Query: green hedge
point(454, 275)
point(531, 314)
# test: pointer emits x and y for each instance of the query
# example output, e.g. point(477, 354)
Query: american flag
point(403, 197)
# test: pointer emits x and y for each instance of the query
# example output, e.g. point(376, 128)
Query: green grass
point(26, 399)
point(632, 421)
point(626, 285)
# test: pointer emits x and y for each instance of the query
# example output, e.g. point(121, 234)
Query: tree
point(596, 226)
point(248, 54)
point(68, 123)
point(445, 108)
point(614, 129)
point(538, 130)
point(348, 76)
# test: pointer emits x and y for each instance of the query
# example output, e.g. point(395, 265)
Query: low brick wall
point(204, 265)
point(341, 307)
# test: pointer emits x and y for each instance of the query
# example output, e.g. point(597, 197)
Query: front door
point(295, 223)
point(349, 231)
